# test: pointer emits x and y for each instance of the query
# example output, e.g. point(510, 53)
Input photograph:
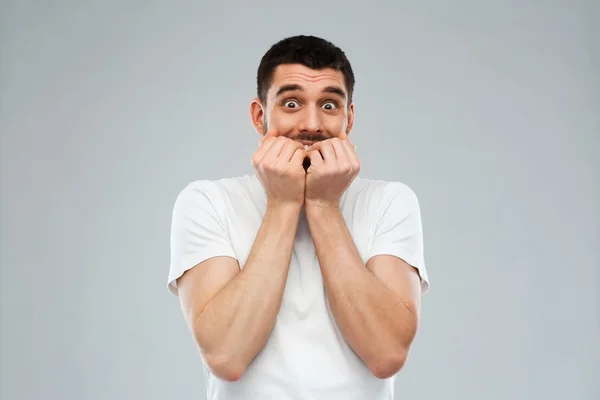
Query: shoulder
point(379, 194)
point(203, 191)
point(196, 194)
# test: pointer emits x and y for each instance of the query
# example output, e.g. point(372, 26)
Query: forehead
point(306, 77)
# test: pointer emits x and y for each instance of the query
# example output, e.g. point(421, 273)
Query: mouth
point(307, 143)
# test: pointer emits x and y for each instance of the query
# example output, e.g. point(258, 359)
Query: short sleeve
point(197, 230)
point(398, 228)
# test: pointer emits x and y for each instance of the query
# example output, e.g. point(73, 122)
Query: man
point(300, 281)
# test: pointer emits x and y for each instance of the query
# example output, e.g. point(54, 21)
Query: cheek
point(337, 124)
point(284, 123)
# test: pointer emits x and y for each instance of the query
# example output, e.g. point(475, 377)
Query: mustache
point(310, 137)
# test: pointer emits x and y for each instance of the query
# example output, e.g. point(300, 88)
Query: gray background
point(488, 110)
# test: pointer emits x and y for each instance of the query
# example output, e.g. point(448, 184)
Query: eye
point(330, 105)
point(290, 104)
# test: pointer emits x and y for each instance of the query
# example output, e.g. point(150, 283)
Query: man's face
point(304, 104)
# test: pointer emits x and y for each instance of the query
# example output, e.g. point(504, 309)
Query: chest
point(304, 286)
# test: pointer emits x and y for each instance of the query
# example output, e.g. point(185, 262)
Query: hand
point(278, 164)
point(333, 166)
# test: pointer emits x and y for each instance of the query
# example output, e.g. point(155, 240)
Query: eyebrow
point(328, 89)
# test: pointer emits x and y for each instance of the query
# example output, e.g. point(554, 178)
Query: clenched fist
point(333, 166)
point(278, 164)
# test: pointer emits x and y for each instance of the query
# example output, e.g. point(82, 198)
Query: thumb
point(344, 136)
point(270, 133)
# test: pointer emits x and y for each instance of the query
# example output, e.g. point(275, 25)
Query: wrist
point(282, 217)
point(284, 208)
point(319, 205)
point(319, 208)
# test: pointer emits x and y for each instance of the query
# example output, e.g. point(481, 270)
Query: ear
point(350, 119)
point(257, 116)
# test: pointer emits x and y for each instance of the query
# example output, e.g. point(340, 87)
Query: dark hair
point(310, 51)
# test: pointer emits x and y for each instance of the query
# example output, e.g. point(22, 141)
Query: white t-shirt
point(306, 356)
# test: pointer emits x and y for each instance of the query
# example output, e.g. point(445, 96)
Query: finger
point(289, 150)
point(344, 137)
point(327, 151)
point(298, 156)
point(341, 154)
point(315, 158)
point(264, 147)
point(270, 133)
point(275, 149)
point(350, 147)
point(353, 157)
point(346, 141)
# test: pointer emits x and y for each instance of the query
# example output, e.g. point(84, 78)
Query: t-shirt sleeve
point(197, 230)
point(398, 228)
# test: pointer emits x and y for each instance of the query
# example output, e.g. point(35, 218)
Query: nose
point(311, 121)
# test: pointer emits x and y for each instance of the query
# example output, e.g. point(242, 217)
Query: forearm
point(371, 317)
point(236, 323)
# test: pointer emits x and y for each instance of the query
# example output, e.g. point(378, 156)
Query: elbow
point(222, 364)
point(385, 367)
point(225, 368)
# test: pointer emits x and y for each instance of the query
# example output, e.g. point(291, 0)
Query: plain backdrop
point(489, 110)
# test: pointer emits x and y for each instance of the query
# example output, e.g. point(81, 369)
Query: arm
point(378, 320)
point(376, 305)
point(231, 312)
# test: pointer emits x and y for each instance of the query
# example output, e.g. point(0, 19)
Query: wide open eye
point(329, 106)
point(291, 104)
